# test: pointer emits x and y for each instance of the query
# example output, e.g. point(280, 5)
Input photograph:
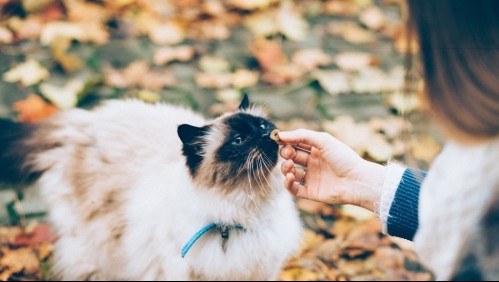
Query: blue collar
point(222, 228)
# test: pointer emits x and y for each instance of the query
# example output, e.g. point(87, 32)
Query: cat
point(138, 191)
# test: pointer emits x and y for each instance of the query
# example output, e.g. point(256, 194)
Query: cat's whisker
point(266, 162)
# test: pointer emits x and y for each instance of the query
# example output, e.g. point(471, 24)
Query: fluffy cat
point(129, 184)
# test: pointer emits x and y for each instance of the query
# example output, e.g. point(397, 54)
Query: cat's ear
point(189, 133)
point(245, 103)
point(192, 149)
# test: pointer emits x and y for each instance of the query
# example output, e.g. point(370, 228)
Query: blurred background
point(332, 65)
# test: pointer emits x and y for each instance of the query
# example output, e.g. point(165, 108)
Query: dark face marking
point(247, 144)
point(192, 149)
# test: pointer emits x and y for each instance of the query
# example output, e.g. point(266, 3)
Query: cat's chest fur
point(124, 204)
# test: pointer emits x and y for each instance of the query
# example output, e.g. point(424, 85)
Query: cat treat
point(274, 135)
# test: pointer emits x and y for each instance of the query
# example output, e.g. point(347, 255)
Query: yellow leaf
point(69, 62)
point(20, 260)
point(214, 64)
point(251, 5)
point(299, 274)
point(242, 78)
point(28, 73)
point(148, 96)
point(167, 33)
point(35, 5)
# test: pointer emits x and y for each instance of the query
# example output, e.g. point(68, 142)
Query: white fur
point(161, 208)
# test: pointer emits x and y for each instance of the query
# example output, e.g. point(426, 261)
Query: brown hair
point(459, 48)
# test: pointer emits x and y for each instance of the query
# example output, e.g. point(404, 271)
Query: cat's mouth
point(262, 160)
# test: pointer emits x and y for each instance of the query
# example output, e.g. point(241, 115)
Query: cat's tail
point(18, 148)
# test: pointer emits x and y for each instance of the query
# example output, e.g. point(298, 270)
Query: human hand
point(319, 167)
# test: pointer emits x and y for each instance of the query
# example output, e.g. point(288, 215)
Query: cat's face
point(234, 148)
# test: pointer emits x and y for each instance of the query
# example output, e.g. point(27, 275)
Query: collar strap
point(222, 228)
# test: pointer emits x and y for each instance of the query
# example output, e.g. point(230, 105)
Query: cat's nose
point(266, 132)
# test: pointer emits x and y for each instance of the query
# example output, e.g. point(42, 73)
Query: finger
point(301, 158)
point(306, 137)
point(299, 174)
point(289, 183)
point(288, 152)
point(295, 188)
point(287, 167)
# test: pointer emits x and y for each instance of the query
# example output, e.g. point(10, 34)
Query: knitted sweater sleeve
point(398, 210)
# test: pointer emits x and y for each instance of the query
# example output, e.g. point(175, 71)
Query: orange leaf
point(269, 54)
point(34, 109)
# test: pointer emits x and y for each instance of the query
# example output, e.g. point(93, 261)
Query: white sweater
point(453, 198)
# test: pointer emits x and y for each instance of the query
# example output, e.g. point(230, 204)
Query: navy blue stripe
point(403, 216)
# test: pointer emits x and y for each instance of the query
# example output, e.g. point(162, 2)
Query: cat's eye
point(237, 141)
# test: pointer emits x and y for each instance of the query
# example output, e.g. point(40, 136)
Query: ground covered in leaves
point(332, 65)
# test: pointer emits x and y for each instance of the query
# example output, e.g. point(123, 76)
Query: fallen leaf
point(84, 11)
point(379, 149)
point(262, 24)
point(310, 240)
point(138, 74)
point(404, 103)
point(42, 233)
point(279, 75)
point(351, 32)
point(8, 234)
point(5, 35)
point(167, 33)
point(251, 5)
point(165, 55)
point(64, 97)
point(269, 54)
point(213, 30)
point(148, 96)
point(29, 28)
point(340, 8)
point(35, 5)
point(157, 79)
point(34, 109)
point(372, 17)
point(243, 78)
point(28, 73)
point(333, 82)
point(213, 64)
point(228, 95)
point(310, 59)
point(354, 61)
point(309, 206)
point(53, 30)
point(298, 274)
point(357, 212)
point(69, 62)
point(291, 23)
point(44, 251)
point(213, 80)
point(18, 260)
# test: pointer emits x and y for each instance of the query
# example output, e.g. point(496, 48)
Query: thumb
point(304, 136)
